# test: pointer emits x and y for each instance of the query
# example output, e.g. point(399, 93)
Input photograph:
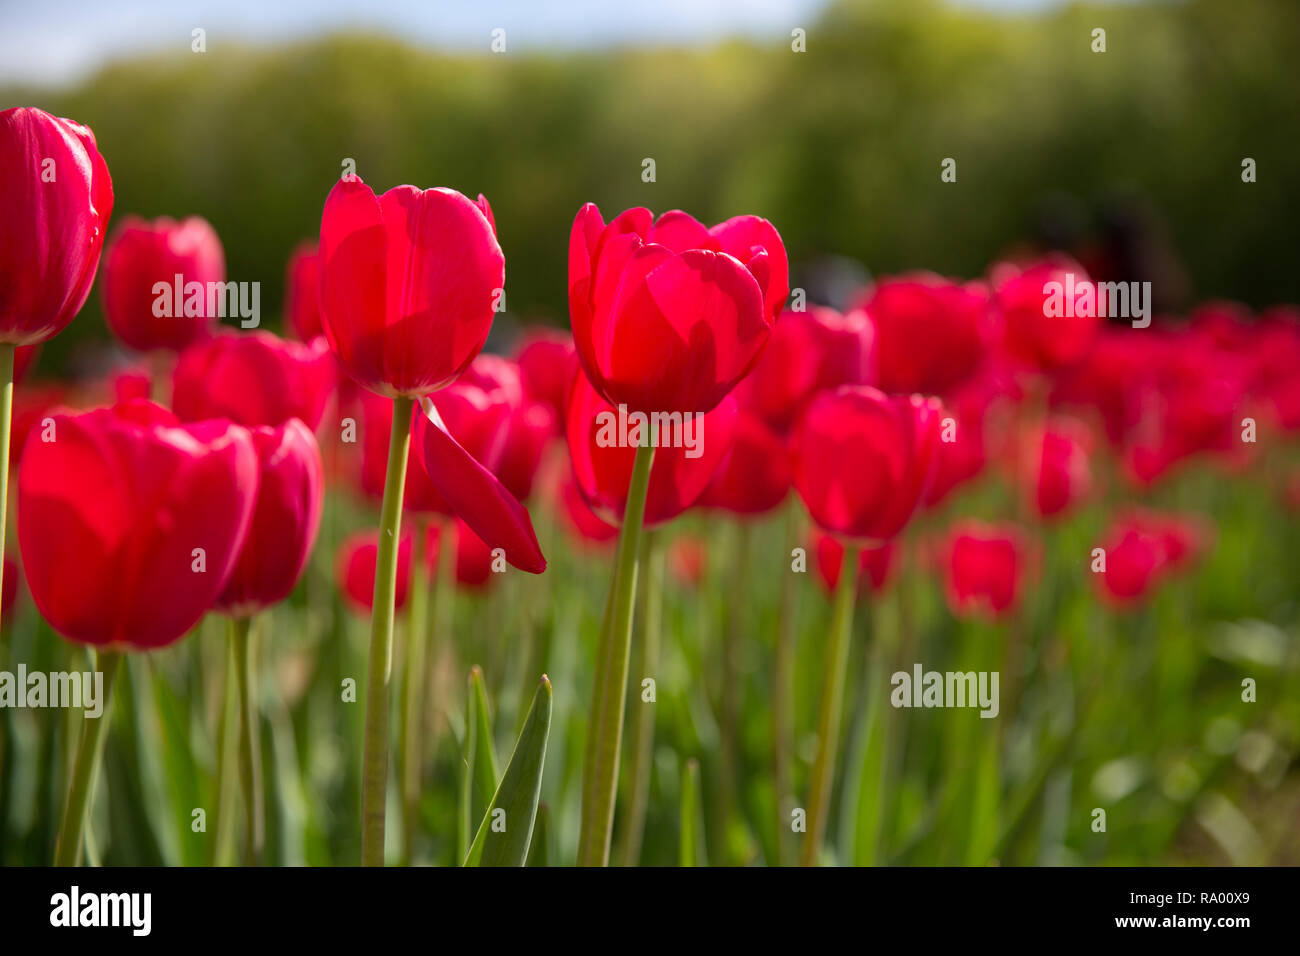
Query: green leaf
point(517, 796)
point(539, 849)
point(467, 775)
point(485, 758)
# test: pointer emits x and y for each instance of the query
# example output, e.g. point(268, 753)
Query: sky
point(62, 41)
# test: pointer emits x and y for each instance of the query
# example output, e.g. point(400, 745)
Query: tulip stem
point(609, 693)
point(832, 705)
point(374, 764)
point(6, 417)
point(250, 776)
point(641, 732)
point(85, 767)
point(783, 697)
point(409, 734)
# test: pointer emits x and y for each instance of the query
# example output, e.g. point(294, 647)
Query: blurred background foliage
point(840, 146)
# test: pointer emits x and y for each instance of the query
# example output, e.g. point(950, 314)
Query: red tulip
point(32, 406)
point(984, 568)
point(130, 523)
point(972, 408)
point(57, 197)
point(688, 560)
point(755, 478)
point(285, 519)
point(588, 527)
point(547, 360)
point(875, 565)
point(144, 254)
point(468, 485)
point(302, 292)
point(355, 569)
point(530, 424)
point(254, 379)
point(409, 284)
point(477, 419)
point(809, 352)
point(668, 315)
point(930, 333)
point(1057, 474)
point(602, 467)
point(1134, 558)
point(1034, 334)
point(863, 461)
point(473, 556)
point(130, 383)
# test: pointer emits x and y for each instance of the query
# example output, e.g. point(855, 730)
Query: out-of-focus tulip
point(409, 284)
point(142, 255)
point(809, 352)
point(687, 560)
point(302, 292)
point(476, 419)
point(863, 461)
point(355, 569)
point(254, 379)
point(473, 556)
point(57, 197)
point(131, 383)
point(1134, 557)
point(984, 568)
point(964, 450)
point(755, 478)
point(930, 333)
point(286, 517)
point(1046, 318)
point(130, 522)
point(588, 526)
point(667, 314)
point(875, 565)
point(602, 462)
point(32, 406)
point(530, 424)
point(1056, 470)
point(547, 360)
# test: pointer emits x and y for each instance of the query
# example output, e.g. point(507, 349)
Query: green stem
point(609, 695)
point(6, 418)
point(688, 837)
point(832, 704)
point(85, 767)
point(410, 734)
point(724, 807)
point(220, 816)
point(250, 763)
point(374, 763)
point(782, 699)
point(641, 733)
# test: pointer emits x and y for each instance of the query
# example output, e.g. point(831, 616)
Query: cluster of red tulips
point(196, 484)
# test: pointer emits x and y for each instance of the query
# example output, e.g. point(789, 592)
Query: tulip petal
point(475, 494)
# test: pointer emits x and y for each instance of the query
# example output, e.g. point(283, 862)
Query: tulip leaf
point(485, 758)
point(468, 743)
point(539, 848)
point(506, 832)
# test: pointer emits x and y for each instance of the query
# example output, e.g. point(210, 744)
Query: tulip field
point(977, 570)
